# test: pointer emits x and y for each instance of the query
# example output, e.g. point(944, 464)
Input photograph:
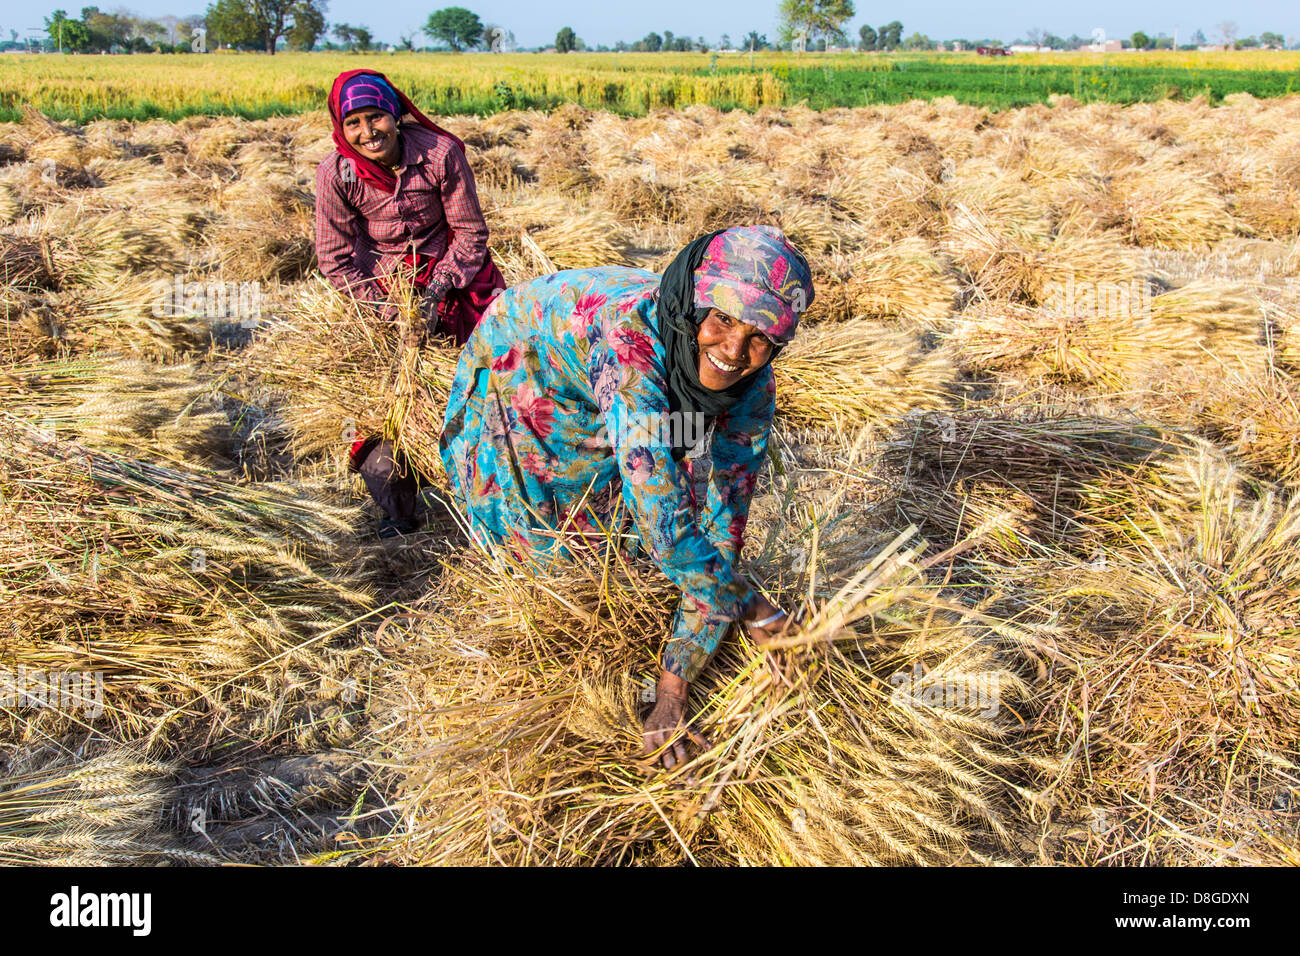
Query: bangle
point(769, 620)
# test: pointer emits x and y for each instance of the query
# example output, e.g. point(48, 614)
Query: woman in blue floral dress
point(582, 400)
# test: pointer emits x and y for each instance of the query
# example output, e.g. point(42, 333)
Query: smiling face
point(372, 132)
point(729, 350)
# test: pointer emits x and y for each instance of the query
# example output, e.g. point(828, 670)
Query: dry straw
point(105, 811)
point(1178, 668)
point(1123, 591)
point(513, 725)
point(849, 374)
point(202, 602)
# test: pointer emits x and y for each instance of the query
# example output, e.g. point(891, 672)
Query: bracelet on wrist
point(769, 620)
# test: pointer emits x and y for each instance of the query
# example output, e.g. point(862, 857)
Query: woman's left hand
point(429, 306)
point(666, 726)
point(425, 320)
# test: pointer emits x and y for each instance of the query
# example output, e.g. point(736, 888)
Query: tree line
point(302, 25)
point(96, 31)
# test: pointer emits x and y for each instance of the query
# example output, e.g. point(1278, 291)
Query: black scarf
point(679, 322)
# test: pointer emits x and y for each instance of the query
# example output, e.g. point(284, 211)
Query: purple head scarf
point(754, 274)
point(369, 90)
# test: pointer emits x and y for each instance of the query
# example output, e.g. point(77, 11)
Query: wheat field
point(252, 86)
point(1033, 489)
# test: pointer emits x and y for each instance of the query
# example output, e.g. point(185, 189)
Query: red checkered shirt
point(363, 232)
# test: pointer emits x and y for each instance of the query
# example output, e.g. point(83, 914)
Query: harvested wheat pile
point(125, 405)
point(1021, 320)
point(128, 314)
point(327, 407)
point(1012, 262)
point(105, 811)
point(1015, 481)
point(1132, 348)
point(849, 374)
point(1178, 670)
point(513, 726)
point(200, 601)
point(266, 229)
point(27, 263)
point(1160, 205)
point(1254, 414)
point(903, 281)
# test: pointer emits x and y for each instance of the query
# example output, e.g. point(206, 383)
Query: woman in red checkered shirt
point(400, 196)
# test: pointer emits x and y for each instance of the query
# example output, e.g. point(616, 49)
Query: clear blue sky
point(535, 22)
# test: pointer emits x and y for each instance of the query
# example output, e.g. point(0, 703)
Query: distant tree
point(346, 34)
point(653, 42)
point(406, 41)
point(867, 37)
point(1274, 41)
point(814, 18)
point(1198, 38)
point(365, 39)
point(1035, 36)
point(107, 30)
point(71, 33)
point(308, 25)
point(620, 47)
point(274, 18)
point(254, 23)
point(1227, 30)
point(1164, 43)
point(150, 31)
point(725, 42)
point(1140, 40)
point(169, 24)
point(230, 23)
point(754, 41)
point(890, 36)
point(918, 41)
point(457, 27)
point(565, 40)
point(1249, 43)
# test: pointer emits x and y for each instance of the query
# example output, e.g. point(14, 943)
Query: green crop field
point(169, 86)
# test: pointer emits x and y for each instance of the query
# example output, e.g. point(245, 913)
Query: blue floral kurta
point(546, 429)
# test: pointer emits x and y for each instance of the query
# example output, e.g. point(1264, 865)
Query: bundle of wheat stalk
point(371, 385)
point(173, 412)
point(1127, 347)
point(1158, 204)
point(1178, 666)
point(27, 263)
point(194, 601)
point(29, 330)
point(104, 811)
point(130, 314)
point(1017, 480)
point(1256, 414)
point(1013, 262)
point(266, 231)
point(847, 374)
point(903, 281)
point(99, 249)
point(513, 724)
point(12, 207)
